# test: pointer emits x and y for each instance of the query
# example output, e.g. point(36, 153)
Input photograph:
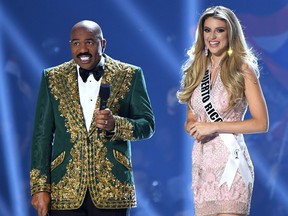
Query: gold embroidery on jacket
point(121, 158)
point(119, 76)
point(89, 166)
point(57, 161)
point(38, 182)
point(71, 189)
point(64, 87)
point(123, 128)
point(121, 82)
point(106, 190)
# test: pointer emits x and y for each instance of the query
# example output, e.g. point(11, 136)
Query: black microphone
point(104, 94)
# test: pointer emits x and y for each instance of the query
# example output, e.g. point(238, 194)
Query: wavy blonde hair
point(232, 74)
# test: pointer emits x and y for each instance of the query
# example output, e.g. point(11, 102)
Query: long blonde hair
point(231, 65)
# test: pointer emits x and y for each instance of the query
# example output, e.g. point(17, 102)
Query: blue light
point(271, 179)
point(145, 205)
point(189, 27)
point(20, 42)
point(10, 151)
point(150, 34)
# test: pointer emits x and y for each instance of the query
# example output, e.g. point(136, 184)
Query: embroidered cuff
point(38, 188)
point(38, 183)
point(123, 129)
point(110, 134)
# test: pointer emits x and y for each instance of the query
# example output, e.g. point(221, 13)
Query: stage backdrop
point(154, 35)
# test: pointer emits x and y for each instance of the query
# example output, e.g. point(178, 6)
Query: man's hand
point(105, 119)
point(41, 202)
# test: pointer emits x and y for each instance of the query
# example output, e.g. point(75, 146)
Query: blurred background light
point(155, 36)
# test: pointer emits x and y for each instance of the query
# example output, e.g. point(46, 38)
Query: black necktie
point(97, 73)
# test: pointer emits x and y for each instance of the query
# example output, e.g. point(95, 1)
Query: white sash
point(236, 161)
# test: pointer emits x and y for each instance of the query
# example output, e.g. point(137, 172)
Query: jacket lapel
point(73, 98)
point(118, 75)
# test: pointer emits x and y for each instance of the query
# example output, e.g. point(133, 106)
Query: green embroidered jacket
point(66, 160)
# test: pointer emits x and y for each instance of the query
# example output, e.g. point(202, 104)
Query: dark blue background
point(154, 35)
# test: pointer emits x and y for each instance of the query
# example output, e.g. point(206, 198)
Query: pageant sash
point(236, 161)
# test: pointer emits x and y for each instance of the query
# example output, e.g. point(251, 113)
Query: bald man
point(81, 154)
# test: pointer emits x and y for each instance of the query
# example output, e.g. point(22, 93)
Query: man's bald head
point(89, 25)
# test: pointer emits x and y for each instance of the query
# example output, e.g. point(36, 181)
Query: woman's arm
point(257, 106)
point(190, 121)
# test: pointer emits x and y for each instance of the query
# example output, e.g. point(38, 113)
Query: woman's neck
point(215, 62)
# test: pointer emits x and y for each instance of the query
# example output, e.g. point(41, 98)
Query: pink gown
point(209, 159)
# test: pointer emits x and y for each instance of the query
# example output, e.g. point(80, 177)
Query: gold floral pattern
point(38, 182)
point(89, 167)
point(57, 161)
point(123, 128)
point(121, 158)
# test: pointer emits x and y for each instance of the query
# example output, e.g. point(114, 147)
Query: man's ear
point(103, 45)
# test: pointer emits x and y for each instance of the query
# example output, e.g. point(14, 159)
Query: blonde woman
point(220, 81)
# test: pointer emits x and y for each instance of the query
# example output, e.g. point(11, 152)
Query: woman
point(220, 81)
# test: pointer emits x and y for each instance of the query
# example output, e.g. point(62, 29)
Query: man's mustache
point(86, 54)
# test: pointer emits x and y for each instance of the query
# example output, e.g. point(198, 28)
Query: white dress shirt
point(88, 93)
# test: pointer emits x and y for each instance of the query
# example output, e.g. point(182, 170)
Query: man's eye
point(75, 43)
point(90, 43)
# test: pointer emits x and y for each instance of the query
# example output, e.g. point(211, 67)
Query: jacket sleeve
point(139, 122)
point(42, 140)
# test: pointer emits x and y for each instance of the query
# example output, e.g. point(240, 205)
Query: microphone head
point(104, 91)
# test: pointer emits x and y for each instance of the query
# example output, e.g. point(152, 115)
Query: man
point(81, 155)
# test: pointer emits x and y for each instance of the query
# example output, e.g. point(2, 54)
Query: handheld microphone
point(104, 94)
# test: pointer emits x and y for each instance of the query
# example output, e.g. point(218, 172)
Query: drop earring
point(230, 51)
point(206, 51)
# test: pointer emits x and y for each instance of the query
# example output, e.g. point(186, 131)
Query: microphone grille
point(104, 91)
